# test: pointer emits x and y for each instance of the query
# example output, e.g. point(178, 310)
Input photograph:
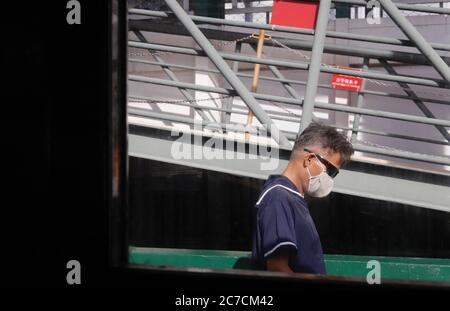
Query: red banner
point(302, 14)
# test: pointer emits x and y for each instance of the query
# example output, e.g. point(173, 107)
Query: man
point(285, 238)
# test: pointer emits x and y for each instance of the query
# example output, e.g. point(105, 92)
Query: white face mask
point(319, 186)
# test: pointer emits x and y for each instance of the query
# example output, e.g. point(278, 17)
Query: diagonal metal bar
point(315, 65)
point(228, 104)
point(289, 88)
point(427, 112)
point(228, 74)
point(173, 77)
point(411, 32)
point(359, 103)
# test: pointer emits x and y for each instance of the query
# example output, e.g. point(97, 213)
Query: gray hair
point(325, 136)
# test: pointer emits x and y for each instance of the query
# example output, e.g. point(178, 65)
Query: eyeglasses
point(330, 168)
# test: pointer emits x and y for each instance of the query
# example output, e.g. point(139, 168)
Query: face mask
point(319, 186)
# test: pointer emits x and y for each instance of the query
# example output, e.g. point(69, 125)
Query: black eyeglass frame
point(331, 169)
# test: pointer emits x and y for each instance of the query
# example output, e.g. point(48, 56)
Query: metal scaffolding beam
point(286, 85)
point(318, 46)
point(411, 32)
point(356, 51)
point(272, 98)
point(287, 29)
point(172, 76)
point(359, 103)
point(296, 119)
point(427, 112)
point(315, 64)
point(139, 112)
point(403, 154)
point(402, 6)
point(296, 65)
point(294, 82)
point(228, 74)
point(229, 103)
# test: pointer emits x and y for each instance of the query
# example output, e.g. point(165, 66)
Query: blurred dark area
point(55, 136)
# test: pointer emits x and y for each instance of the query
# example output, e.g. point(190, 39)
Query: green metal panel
point(185, 257)
point(342, 10)
point(208, 8)
point(403, 268)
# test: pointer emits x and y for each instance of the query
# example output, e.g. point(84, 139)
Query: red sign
point(350, 83)
point(302, 14)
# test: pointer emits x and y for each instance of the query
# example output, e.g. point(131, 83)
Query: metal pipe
point(334, 107)
point(427, 112)
point(292, 119)
point(385, 94)
point(428, 158)
point(357, 51)
point(290, 81)
point(279, 78)
point(295, 30)
point(411, 32)
point(404, 154)
point(296, 65)
point(139, 112)
point(394, 135)
point(229, 111)
point(226, 116)
point(227, 73)
point(359, 103)
point(213, 34)
point(402, 6)
point(226, 35)
point(152, 100)
point(172, 76)
point(288, 87)
point(315, 65)
point(358, 147)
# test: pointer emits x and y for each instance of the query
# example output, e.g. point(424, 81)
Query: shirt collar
point(282, 180)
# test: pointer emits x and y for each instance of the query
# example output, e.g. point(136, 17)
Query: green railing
point(402, 268)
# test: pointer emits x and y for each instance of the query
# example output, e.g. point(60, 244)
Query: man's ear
point(306, 159)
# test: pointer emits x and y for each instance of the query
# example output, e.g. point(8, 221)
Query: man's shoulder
point(278, 193)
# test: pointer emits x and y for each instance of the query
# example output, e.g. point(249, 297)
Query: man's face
point(318, 159)
point(315, 160)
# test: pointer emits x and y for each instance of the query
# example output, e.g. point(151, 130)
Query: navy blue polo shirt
point(283, 224)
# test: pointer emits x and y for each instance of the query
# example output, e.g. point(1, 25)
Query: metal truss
point(236, 33)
